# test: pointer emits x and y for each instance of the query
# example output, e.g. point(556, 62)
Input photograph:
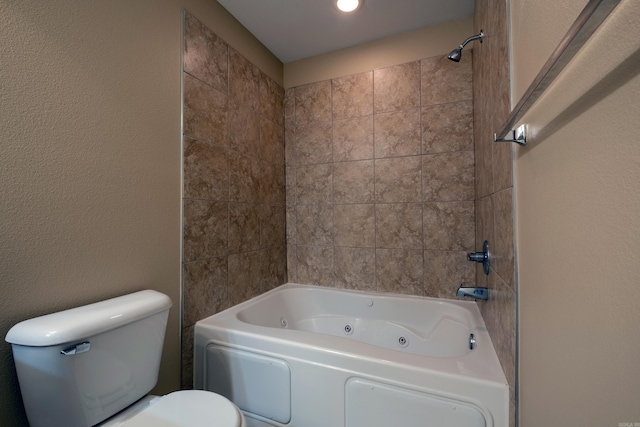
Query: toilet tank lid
point(83, 322)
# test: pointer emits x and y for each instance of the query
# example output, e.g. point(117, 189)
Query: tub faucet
point(473, 292)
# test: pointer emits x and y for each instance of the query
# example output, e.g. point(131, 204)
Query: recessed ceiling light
point(348, 5)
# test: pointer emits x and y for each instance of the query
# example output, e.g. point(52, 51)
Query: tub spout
point(473, 292)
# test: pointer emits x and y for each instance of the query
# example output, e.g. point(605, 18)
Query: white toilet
point(94, 365)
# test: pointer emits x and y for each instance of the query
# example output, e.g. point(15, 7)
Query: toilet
point(95, 365)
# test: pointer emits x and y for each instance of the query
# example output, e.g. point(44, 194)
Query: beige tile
point(205, 289)
point(397, 87)
point(315, 265)
point(353, 139)
point(292, 263)
point(291, 224)
point(313, 143)
point(272, 183)
point(205, 232)
point(484, 231)
point(354, 225)
point(482, 128)
point(244, 82)
point(290, 155)
point(244, 227)
point(290, 108)
point(398, 179)
point(446, 81)
point(399, 225)
point(205, 54)
point(274, 267)
point(206, 171)
point(445, 271)
point(313, 184)
point(290, 182)
point(314, 225)
point(449, 226)
point(205, 112)
point(245, 178)
point(244, 129)
point(187, 358)
point(271, 141)
point(352, 96)
point(353, 182)
point(271, 100)
point(244, 276)
point(448, 176)
point(399, 271)
point(397, 134)
point(355, 268)
point(313, 103)
point(447, 127)
point(502, 255)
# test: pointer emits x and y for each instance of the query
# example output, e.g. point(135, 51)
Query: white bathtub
point(307, 356)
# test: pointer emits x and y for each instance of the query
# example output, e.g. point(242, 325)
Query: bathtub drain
point(348, 329)
point(283, 322)
point(403, 342)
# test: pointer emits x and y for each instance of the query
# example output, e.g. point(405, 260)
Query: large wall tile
point(313, 103)
point(245, 178)
point(400, 271)
point(205, 289)
point(315, 265)
point(205, 54)
point(244, 227)
point(445, 271)
point(205, 231)
point(353, 139)
point(449, 226)
point(313, 143)
point(353, 182)
point(447, 127)
point(446, 81)
point(352, 96)
point(273, 226)
point(314, 225)
point(355, 268)
point(354, 225)
point(244, 129)
point(399, 225)
point(244, 81)
point(314, 184)
point(205, 112)
point(503, 249)
point(206, 171)
point(271, 141)
point(397, 88)
point(245, 276)
point(448, 176)
point(271, 100)
point(397, 134)
point(398, 179)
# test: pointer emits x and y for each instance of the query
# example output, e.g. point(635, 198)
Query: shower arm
point(472, 38)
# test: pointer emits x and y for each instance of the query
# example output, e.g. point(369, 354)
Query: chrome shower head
point(456, 54)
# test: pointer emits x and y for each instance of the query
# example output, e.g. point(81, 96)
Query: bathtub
point(308, 356)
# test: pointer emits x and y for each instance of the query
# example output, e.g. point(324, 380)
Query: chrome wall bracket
point(519, 136)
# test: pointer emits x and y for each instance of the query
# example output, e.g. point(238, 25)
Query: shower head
point(456, 54)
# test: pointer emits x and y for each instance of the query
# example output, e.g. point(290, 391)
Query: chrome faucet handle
point(483, 257)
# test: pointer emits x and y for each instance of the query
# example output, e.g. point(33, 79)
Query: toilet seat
point(186, 408)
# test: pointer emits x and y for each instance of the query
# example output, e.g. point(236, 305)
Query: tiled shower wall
point(380, 179)
point(234, 183)
point(494, 184)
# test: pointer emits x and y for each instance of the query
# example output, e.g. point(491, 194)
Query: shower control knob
point(482, 257)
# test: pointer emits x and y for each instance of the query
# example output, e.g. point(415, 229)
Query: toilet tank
point(80, 366)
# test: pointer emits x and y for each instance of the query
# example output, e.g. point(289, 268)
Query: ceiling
point(296, 29)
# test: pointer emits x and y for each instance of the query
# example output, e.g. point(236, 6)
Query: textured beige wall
point(90, 139)
point(578, 231)
point(411, 46)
